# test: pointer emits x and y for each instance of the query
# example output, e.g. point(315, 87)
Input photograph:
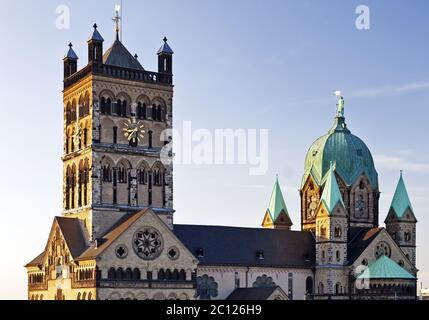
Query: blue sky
point(238, 64)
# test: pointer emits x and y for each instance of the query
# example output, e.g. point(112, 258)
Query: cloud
point(400, 163)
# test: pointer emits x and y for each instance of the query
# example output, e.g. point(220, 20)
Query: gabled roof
point(385, 268)
point(165, 48)
point(118, 55)
point(277, 203)
point(36, 261)
point(74, 234)
point(108, 238)
point(223, 245)
point(401, 202)
point(71, 54)
point(331, 195)
point(258, 293)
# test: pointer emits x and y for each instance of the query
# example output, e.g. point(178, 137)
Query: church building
point(116, 237)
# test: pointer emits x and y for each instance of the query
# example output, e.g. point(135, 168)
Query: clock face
point(147, 243)
point(133, 131)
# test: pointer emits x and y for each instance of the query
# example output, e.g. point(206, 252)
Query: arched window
point(338, 255)
point(338, 288)
point(107, 173)
point(78, 296)
point(161, 274)
point(175, 274)
point(309, 285)
point(182, 275)
point(111, 274)
point(68, 113)
point(142, 176)
point(150, 133)
point(407, 236)
point(168, 274)
point(323, 231)
point(90, 296)
point(321, 288)
point(154, 112)
point(159, 113)
point(80, 184)
point(128, 274)
point(141, 110)
point(86, 105)
point(136, 274)
point(81, 107)
point(337, 232)
point(120, 273)
point(103, 105)
point(73, 111)
point(122, 174)
point(84, 296)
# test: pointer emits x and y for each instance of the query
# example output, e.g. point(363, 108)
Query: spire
point(71, 54)
point(277, 202)
point(165, 48)
point(95, 36)
point(401, 202)
point(331, 193)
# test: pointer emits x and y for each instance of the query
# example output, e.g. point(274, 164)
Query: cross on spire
point(117, 19)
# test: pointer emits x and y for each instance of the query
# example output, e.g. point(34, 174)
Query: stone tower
point(331, 238)
point(116, 114)
point(401, 221)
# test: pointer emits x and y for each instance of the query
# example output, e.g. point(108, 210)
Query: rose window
point(147, 243)
point(382, 249)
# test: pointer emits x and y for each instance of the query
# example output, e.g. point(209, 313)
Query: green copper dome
point(350, 155)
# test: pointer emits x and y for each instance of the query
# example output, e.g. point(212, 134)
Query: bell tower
point(116, 114)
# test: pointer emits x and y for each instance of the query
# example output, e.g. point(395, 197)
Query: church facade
point(116, 238)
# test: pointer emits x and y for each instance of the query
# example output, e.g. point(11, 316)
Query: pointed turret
point(165, 58)
point(331, 195)
point(277, 215)
point(95, 46)
point(401, 221)
point(401, 202)
point(70, 62)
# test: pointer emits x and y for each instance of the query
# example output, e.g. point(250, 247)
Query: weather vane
point(340, 104)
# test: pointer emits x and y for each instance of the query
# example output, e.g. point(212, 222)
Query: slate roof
point(96, 36)
point(259, 293)
point(111, 236)
point(118, 55)
point(71, 54)
point(359, 239)
point(165, 48)
point(74, 235)
point(240, 246)
point(385, 268)
point(36, 261)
